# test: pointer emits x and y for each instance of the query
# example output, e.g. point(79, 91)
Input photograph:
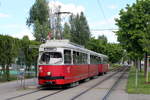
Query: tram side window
point(94, 59)
point(75, 57)
point(99, 60)
point(67, 56)
point(105, 60)
point(91, 59)
point(85, 57)
point(79, 58)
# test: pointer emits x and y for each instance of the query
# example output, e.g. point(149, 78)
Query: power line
point(101, 8)
point(111, 29)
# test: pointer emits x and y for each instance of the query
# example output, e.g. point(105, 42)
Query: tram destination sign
point(50, 49)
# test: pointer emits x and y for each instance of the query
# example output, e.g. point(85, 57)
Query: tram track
point(21, 95)
point(100, 82)
point(114, 85)
point(59, 91)
point(32, 92)
point(50, 94)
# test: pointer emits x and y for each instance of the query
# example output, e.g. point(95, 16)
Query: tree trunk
point(136, 75)
point(28, 69)
point(145, 64)
point(140, 66)
point(7, 73)
point(3, 69)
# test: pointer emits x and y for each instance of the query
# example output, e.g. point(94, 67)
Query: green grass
point(12, 77)
point(142, 87)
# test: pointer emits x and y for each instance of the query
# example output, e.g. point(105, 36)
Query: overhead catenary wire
point(109, 29)
point(103, 13)
point(101, 8)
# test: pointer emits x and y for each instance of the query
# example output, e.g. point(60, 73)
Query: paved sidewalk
point(120, 93)
point(12, 86)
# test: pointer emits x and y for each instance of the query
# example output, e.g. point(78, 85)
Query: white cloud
point(67, 7)
point(2, 15)
point(112, 38)
point(113, 6)
point(24, 31)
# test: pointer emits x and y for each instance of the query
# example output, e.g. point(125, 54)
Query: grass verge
point(14, 77)
point(142, 87)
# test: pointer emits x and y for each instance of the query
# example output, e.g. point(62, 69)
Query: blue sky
point(13, 15)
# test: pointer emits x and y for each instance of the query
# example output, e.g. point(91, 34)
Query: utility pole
point(55, 21)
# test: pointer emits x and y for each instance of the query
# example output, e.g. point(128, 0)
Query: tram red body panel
point(105, 67)
point(78, 72)
point(93, 70)
point(71, 73)
point(100, 68)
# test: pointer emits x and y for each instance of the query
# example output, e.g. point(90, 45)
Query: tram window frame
point(67, 60)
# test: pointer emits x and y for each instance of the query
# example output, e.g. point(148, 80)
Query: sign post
point(22, 77)
point(147, 68)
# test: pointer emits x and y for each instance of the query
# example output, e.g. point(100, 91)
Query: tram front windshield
point(51, 58)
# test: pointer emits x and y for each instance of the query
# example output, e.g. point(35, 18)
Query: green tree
point(97, 45)
point(66, 32)
point(134, 28)
point(103, 39)
point(8, 51)
point(115, 52)
point(100, 45)
point(80, 32)
point(30, 53)
point(39, 18)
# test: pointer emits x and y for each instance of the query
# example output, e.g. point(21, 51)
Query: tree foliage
point(80, 32)
point(97, 45)
point(10, 49)
point(39, 18)
point(134, 30)
point(113, 51)
point(66, 32)
point(134, 27)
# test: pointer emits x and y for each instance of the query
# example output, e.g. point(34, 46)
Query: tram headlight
point(40, 69)
point(48, 73)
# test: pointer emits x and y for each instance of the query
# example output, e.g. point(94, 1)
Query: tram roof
point(61, 44)
point(67, 44)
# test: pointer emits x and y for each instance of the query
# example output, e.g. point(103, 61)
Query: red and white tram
point(62, 62)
